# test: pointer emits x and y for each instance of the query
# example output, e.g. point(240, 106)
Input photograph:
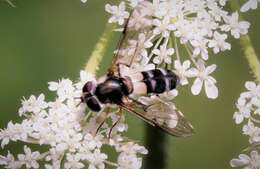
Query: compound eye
point(93, 104)
point(89, 87)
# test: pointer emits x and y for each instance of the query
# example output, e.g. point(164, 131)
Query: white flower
point(218, 43)
point(132, 148)
point(244, 111)
point(163, 55)
point(168, 8)
point(222, 2)
point(138, 47)
point(251, 130)
point(33, 104)
point(29, 158)
point(253, 90)
point(128, 158)
point(96, 159)
point(91, 142)
point(9, 162)
point(73, 162)
point(250, 4)
point(247, 162)
point(163, 26)
point(182, 71)
point(64, 88)
point(235, 26)
point(129, 161)
point(140, 18)
point(119, 14)
point(202, 77)
point(134, 3)
point(14, 132)
point(200, 47)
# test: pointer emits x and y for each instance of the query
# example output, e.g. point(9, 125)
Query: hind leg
point(111, 129)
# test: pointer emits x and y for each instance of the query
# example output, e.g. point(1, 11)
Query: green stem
point(10, 3)
point(98, 53)
point(248, 49)
point(251, 56)
point(155, 142)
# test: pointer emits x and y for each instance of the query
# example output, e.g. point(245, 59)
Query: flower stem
point(155, 142)
point(251, 56)
point(10, 3)
point(111, 163)
point(249, 51)
point(92, 65)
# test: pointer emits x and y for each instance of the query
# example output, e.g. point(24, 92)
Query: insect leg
point(99, 127)
point(81, 100)
point(132, 58)
point(103, 121)
point(111, 129)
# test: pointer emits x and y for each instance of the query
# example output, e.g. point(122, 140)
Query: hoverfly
point(120, 86)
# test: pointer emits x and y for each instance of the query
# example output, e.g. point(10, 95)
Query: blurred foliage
point(45, 40)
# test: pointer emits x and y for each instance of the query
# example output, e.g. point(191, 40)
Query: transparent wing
point(129, 46)
point(165, 117)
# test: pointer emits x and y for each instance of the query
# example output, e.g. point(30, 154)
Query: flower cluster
point(73, 135)
point(167, 26)
point(248, 106)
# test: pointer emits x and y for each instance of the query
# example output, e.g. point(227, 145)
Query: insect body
point(114, 88)
point(125, 84)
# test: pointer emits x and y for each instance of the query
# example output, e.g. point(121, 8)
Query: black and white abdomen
point(154, 81)
point(159, 80)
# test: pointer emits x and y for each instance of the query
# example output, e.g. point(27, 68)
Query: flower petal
point(211, 90)
point(196, 87)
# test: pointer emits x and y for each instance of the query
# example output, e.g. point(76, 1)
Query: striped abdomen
point(159, 80)
point(154, 81)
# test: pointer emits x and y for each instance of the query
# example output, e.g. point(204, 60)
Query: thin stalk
point(10, 3)
point(111, 163)
point(255, 120)
point(248, 49)
point(155, 47)
point(176, 49)
point(155, 142)
point(92, 65)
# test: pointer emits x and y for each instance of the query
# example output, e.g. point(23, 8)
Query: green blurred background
point(45, 40)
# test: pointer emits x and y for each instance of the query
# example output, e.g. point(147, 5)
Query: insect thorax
point(112, 91)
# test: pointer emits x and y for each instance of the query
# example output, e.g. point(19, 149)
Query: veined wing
point(165, 117)
point(133, 36)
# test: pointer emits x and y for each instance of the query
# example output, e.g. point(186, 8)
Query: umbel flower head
point(68, 131)
point(248, 105)
point(168, 26)
point(75, 137)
